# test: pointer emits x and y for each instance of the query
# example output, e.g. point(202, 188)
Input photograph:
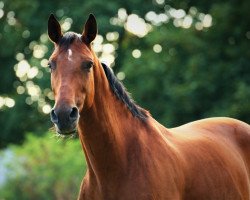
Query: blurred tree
point(36, 172)
point(183, 60)
point(196, 66)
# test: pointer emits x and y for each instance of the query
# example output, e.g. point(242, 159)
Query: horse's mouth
point(71, 133)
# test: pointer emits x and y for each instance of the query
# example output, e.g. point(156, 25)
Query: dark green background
point(200, 72)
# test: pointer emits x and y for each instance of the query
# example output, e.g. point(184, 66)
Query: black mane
point(122, 94)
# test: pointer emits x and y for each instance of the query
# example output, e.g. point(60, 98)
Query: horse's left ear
point(90, 29)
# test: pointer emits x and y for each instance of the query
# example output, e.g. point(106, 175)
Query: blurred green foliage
point(44, 168)
point(181, 60)
point(198, 73)
point(192, 60)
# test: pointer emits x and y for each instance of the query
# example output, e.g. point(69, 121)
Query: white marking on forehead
point(70, 54)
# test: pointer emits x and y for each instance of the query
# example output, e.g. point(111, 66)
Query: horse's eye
point(87, 65)
point(51, 65)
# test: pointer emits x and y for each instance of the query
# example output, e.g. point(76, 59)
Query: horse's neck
point(106, 131)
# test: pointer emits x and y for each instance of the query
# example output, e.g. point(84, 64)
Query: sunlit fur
point(133, 159)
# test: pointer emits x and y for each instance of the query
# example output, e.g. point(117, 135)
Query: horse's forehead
point(72, 52)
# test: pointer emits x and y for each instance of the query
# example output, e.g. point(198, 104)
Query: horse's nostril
point(73, 114)
point(53, 116)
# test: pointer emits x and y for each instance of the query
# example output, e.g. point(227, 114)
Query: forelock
point(67, 39)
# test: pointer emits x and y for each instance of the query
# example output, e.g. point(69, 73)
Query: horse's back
point(216, 152)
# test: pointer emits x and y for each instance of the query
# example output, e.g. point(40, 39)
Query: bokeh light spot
point(20, 89)
point(121, 76)
point(9, 102)
point(46, 109)
point(136, 53)
point(157, 48)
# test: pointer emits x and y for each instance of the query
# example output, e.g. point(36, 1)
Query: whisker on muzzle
point(61, 136)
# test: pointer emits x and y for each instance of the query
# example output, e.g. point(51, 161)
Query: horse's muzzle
point(65, 119)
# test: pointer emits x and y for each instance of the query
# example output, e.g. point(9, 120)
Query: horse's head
point(72, 79)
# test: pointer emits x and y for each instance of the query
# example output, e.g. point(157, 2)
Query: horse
point(131, 156)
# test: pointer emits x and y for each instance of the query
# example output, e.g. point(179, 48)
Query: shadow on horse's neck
point(106, 130)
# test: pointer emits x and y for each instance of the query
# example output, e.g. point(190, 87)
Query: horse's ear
point(90, 29)
point(54, 29)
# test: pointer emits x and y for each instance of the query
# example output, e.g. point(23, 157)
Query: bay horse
point(131, 156)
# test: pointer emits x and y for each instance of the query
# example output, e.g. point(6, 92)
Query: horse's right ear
point(54, 29)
